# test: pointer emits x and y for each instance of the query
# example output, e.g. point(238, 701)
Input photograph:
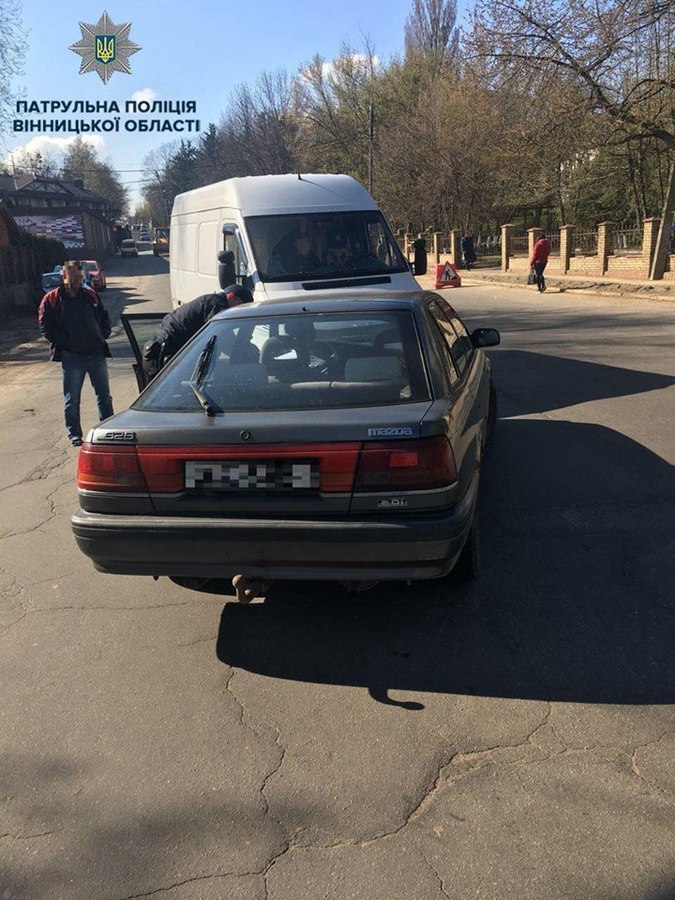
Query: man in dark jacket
point(468, 250)
point(77, 325)
point(179, 326)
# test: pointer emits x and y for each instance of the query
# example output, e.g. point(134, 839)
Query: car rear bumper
point(405, 547)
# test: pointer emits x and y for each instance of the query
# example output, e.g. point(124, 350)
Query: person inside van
point(294, 255)
point(179, 326)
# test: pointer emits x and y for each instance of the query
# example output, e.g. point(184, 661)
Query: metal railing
point(626, 241)
point(553, 238)
point(584, 243)
point(520, 245)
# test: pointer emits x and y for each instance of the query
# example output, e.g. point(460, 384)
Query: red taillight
point(105, 467)
point(406, 466)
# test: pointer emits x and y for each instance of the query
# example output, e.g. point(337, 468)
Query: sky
point(193, 50)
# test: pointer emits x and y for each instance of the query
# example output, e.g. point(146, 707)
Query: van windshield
point(312, 246)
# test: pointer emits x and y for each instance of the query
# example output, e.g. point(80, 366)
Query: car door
point(140, 328)
point(464, 417)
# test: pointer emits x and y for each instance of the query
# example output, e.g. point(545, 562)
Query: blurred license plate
point(251, 475)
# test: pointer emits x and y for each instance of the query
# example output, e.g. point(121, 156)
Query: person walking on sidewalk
point(468, 250)
point(75, 322)
point(540, 254)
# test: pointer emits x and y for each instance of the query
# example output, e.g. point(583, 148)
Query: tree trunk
point(663, 240)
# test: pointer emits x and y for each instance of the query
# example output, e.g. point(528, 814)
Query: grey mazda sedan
point(322, 439)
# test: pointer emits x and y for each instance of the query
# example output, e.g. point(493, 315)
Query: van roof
point(259, 195)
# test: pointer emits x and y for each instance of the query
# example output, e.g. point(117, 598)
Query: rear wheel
point(468, 564)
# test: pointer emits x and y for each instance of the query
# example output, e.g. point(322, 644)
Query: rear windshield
point(323, 245)
point(303, 361)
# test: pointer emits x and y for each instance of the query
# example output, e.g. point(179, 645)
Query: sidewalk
point(646, 290)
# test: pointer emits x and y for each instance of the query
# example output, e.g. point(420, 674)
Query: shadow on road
point(537, 382)
point(575, 602)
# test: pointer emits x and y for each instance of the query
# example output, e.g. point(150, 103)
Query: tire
point(468, 564)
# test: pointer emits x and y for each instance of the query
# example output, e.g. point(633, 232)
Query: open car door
point(140, 328)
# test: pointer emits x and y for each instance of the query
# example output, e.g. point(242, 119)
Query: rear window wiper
point(210, 408)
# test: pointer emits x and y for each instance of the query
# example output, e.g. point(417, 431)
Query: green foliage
point(83, 162)
point(45, 252)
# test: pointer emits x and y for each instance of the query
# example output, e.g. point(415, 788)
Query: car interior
point(293, 364)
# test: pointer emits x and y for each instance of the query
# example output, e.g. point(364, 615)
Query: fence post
point(566, 239)
point(507, 245)
point(406, 245)
point(436, 237)
point(650, 235)
point(605, 242)
point(455, 251)
point(533, 235)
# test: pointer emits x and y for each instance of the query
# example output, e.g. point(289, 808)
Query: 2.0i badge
point(392, 503)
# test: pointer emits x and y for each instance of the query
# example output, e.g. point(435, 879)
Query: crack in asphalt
point(52, 609)
point(205, 640)
point(483, 759)
point(29, 837)
point(635, 769)
point(196, 878)
point(432, 869)
point(43, 471)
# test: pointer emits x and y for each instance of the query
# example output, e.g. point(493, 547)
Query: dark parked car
point(49, 281)
point(305, 439)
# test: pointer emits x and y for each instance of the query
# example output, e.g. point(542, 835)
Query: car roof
point(356, 302)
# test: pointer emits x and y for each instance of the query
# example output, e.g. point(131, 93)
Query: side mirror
point(226, 271)
point(485, 337)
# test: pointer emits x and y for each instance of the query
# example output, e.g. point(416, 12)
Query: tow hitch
point(248, 589)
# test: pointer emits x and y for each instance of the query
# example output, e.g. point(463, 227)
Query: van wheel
point(468, 564)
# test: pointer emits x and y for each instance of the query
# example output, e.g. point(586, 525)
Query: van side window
point(232, 241)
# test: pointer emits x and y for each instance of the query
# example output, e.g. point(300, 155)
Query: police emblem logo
point(105, 48)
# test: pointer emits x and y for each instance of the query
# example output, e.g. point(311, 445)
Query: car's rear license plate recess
point(238, 476)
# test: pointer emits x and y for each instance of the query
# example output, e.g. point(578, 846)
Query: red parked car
point(96, 274)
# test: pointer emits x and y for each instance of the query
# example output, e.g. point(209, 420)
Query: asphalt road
point(510, 739)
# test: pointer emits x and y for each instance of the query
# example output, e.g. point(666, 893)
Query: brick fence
point(567, 261)
point(602, 263)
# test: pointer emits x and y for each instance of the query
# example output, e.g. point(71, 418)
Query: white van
point(281, 234)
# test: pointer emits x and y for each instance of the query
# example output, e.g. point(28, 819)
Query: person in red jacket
point(540, 254)
point(77, 325)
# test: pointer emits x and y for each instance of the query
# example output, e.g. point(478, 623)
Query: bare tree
point(431, 31)
point(618, 55)
point(12, 51)
point(259, 130)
